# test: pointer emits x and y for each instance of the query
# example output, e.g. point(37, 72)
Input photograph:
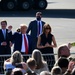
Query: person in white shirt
point(22, 41)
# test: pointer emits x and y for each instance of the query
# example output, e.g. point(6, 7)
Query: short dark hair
point(63, 62)
point(38, 13)
point(17, 71)
point(4, 21)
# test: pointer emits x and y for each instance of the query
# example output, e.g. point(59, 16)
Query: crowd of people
point(36, 65)
point(39, 41)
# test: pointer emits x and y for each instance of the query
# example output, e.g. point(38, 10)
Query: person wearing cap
point(35, 27)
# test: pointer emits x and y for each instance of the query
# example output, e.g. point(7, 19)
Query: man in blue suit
point(35, 27)
point(22, 41)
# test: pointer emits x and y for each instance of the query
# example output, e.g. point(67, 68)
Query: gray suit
point(33, 28)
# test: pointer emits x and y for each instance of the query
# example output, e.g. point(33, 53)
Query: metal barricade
point(47, 58)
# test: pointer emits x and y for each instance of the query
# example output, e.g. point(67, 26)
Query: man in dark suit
point(5, 43)
point(36, 28)
point(5, 39)
point(22, 41)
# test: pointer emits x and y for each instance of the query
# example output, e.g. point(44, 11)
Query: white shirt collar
point(3, 29)
point(24, 34)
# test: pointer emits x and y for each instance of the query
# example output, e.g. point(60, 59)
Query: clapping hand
point(47, 44)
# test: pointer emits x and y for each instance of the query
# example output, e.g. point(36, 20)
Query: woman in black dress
point(46, 42)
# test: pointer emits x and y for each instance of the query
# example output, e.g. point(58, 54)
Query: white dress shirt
point(23, 44)
point(4, 33)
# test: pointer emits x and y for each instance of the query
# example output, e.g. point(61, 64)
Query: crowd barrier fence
point(47, 57)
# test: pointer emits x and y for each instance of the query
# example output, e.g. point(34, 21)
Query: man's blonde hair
point(23, 25)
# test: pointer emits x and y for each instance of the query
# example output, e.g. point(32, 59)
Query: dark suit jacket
point(5, 49)
point(33, 28)
point(17, 40)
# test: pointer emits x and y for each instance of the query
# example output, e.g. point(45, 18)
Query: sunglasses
point(47, 28)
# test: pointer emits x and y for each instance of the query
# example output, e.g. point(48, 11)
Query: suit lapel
point(6, 33)
point(42, 24)
point(36, 24)
point(20, 41)
point(2, 34)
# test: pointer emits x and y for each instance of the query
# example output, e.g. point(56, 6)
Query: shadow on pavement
point(48, 13)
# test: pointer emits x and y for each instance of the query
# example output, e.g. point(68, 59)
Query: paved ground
point(61, 4)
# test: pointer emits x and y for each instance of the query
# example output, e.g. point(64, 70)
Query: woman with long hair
point(15, 58)
point(46, 42)
point(41, 64)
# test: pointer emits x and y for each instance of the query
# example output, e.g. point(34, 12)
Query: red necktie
point(26, 46)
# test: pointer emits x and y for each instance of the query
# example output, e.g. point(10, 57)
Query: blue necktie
point(4, 33)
